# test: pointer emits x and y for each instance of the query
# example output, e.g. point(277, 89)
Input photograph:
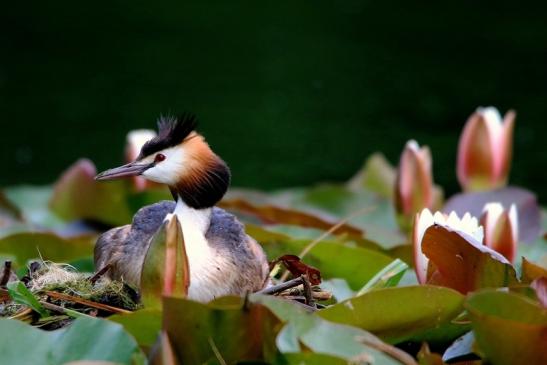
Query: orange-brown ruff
point(223, 259)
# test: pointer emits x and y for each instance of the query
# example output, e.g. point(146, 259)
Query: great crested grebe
point(223, 259)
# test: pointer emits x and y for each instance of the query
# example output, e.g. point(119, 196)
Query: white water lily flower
point(468, 226)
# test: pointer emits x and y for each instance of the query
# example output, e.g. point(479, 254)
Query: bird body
point(223, 259)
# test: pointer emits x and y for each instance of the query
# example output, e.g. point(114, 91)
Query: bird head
point(180, 158)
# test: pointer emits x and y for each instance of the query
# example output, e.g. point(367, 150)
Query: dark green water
point(288, 93)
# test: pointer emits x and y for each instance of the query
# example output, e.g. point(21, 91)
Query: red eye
point(159, 158)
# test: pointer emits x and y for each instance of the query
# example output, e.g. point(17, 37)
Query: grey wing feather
point(227, 235)
point(124, 248)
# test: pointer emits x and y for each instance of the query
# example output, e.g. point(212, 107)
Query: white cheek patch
point(168, 170)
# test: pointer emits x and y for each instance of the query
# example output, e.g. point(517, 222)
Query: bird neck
point(203, 184)
point(193, 221)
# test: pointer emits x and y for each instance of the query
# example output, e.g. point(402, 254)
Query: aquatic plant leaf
point(377, 175)
point(509, 328)
point(32, 202)
point(77, 195)
point(339, 289)
point(532, 271)
point(165, 269)
point(9, 213)
point(270, 214)
point(529, 215)
point(103, 340)
point(305, 331)
point(163, 353)
point(457, 263)
point(32, 245)
point(370, 212)
point(388, 277)
point(238, 329)
point(312, 358)
point(144, 325)
point(402, 313)
point(20, 294)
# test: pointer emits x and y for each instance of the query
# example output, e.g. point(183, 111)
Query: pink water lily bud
point(414, 183)
point(501, 229)
point(485, 150)
point(134, 141)
point(467, 225)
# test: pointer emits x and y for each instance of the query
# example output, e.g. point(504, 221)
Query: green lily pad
point(311, 358)
point(144, 325)
point(238, 330)
point(77, 195)
point(339, 288)
point(32, 202)
point(403, 313)
point(388, 277)
point(306, 331)
point(86, 339)
point(48, 246)
point(509, 328)
point(373, 214)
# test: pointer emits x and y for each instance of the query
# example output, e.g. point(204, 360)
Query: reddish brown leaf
point(4, 295)
point(272, 214)
point(457, 263)
point(532, 271)
point(297, 268)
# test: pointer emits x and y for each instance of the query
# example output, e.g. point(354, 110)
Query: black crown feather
point(171, 132)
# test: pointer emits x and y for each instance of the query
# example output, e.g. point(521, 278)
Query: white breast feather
point(206, 281)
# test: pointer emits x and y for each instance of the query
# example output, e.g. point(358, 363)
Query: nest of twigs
point(67, 294)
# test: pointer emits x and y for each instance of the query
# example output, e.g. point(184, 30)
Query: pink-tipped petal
point(414, 183)
point(485, 150)
point(475, 156)
point(501, 229)
point(506, 147)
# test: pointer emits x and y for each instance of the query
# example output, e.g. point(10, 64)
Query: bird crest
point(171, 132)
